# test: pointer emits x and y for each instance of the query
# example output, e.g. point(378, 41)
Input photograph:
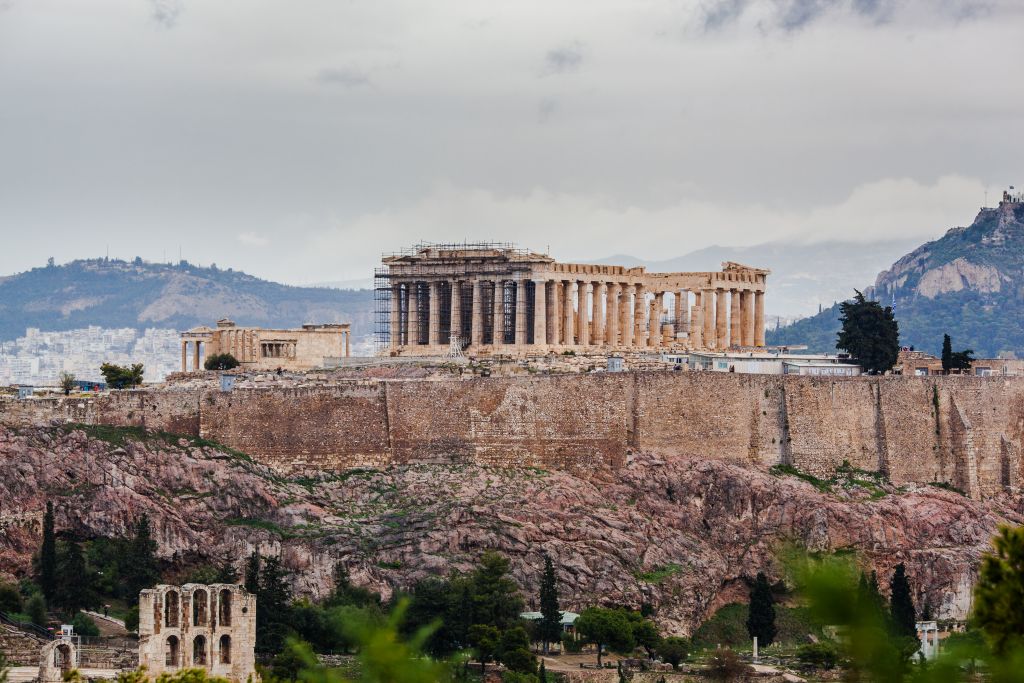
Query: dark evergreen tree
point(542, 673)
point(141, 569)
point(870, 334)
point(955, 360)
point(74, 581)
point(496, 599)
point(252, 573)
point(272, 606)
point(549, 630)
point(47, 574)
point(947, 354)
point(904, 616)
point(761, 616)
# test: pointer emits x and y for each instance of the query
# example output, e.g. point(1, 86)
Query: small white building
point(771, 363)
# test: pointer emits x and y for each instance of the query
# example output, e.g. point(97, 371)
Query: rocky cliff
point(678, 533)
point(969, 284)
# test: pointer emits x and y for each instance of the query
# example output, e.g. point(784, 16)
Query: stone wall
point(967, 431)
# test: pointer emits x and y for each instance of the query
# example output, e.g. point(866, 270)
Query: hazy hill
point(803, 275)
point(969, 283)
point(114, 293)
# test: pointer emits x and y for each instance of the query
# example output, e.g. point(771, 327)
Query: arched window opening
point(200, 602)
point(171, 609)
point(199, 651)
point(224, 608)
point(225, 649)
point(171, 652)
point(62, 658)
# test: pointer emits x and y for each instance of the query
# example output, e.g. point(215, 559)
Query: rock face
point(679, 533)
point(969, 284)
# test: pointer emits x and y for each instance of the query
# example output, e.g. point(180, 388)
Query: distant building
point(921, 364)
point(258, 348)
point(768, 363)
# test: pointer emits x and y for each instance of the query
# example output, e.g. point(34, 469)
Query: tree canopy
point(869, 333)
point(761, 617)
point(220, 361)
point(999, 593)
point(549, 630)
point(122, 377)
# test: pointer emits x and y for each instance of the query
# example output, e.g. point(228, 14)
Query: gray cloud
point(166, 12)
point(563, 59)
point(546, 109)
point(793, 15)
point(346, 77)
point(718, 13)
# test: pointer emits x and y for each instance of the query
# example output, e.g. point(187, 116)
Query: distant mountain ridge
point(969, 283)
point(803, 276)
point(137, 294)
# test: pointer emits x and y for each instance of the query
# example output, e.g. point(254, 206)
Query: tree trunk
point(599, 655)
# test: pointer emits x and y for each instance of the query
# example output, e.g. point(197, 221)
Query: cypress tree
point(252, 573)
point(542, 673)
point(550, 629)
point(901, 609)
point(272, 607)
point(74, 582)
point(48, 556)
point(142, 570)
point(947, 353)
point(761, 617)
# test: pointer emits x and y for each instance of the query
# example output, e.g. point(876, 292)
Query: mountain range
point(139, 294)
point(969, 284)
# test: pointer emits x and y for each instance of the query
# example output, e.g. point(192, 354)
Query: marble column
point(680, 312)
point(626, 315)
point(498, 313)
point(521, 312)
point(654, 321)
point(696, 337)
point(414, 314)
point(611, 313)
point(184, 356)
point(477, 329)
point(708, 313)
point(721, 320)
point(434, 324)
point(758, 318)
point(348, 349)
point(639, 309)
point(396, 316)
point(195, 356)
point(600, 313)
point(734, 317)
point(583, 302)
point(456, 325)
point(540, 312)
point(746, 318)
point(568, 334)
point(554, 320)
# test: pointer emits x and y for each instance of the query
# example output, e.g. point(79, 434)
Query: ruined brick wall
point(967, 431)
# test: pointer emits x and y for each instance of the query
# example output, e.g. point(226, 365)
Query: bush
point(131, 620)
point(570, 644)
point(673, 650)
point(727, 627)
point(221, 361)
point(120, 377)
point(35, 608)
point(725, 665)
point(822, 655)
point(10, 598)
point(84, 625)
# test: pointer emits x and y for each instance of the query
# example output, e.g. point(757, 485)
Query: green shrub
point(84, 625)
point(35, 608)
point(822, 655)
point(131, 620)
point(10, 598)
point(220, 361)
point(727, 627)
point(570, 644)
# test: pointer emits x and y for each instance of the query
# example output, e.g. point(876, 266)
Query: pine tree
point(142, 569)
point(252, 573)
point(272, 606)
point(542, 673)
point(761, 617)
point(48, 556)
point(870, 333)
point(904, 617)
point(550, 627)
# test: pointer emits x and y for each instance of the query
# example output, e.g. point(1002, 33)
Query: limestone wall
point(967, 431)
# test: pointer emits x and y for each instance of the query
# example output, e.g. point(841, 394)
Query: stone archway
point(57, 658)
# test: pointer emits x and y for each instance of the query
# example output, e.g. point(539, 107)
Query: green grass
point(947, 486)
point(119, 436)
point(660, 574)
point(788, 470)
point(846, 477)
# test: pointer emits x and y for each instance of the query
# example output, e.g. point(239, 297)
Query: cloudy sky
point(299, 140)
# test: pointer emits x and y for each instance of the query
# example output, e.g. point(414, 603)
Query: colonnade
point(523, 311)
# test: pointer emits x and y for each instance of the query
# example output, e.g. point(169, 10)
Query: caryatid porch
point(499, 299)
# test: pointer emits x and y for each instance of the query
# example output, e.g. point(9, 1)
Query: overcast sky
point(298, 140)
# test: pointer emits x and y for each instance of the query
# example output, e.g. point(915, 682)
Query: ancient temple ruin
point(497, 298)
point(211, 627)
point(258, 348)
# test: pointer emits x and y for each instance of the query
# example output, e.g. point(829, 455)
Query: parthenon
point(496, 298)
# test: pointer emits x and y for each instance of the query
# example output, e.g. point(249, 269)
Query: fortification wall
point(967, 431)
